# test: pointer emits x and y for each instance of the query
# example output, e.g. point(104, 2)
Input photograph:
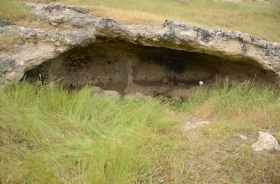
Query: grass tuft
point(58, 136)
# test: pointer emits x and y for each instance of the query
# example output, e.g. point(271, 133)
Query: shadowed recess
point(126, 67)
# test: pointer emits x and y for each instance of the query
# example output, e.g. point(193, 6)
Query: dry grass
point(243, 16)
point(15, 11)
point(135, 17)
point(261, 19)
point(215, 153)
point(8, 41)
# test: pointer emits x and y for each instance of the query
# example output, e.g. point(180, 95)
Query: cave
point(114, 64)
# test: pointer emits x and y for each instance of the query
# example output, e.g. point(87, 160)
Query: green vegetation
point(53, 136)
point(260, 19)
point(50, 135)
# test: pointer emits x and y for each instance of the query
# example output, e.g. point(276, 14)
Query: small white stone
point(203, 122)
point(243, 137)
point(201, 83)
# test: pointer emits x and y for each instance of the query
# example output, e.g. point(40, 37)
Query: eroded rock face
point(152, 59)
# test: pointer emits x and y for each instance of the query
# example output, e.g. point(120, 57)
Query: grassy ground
point(53, 136)
point(261, 19)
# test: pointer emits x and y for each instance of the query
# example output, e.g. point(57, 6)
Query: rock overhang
point(177, 52)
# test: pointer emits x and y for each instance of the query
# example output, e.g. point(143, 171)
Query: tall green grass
point(51, 135)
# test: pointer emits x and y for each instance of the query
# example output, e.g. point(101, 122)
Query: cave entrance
point(127, 68)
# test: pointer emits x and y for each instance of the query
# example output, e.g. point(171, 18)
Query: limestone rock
point(115, 53)
point(96, 90)
point(243, 137)
point(5, 66)
point(111, 93)
point(137, 95)
point(133, 96)
point(266, 141)
point(188, 125)
point(130, 96)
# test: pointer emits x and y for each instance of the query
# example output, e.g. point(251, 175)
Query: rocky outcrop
point(168, 58)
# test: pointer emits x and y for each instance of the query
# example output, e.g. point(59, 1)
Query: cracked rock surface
point(169, 58)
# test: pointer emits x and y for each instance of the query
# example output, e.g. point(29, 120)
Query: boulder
point(266, 141)
point(243, 137)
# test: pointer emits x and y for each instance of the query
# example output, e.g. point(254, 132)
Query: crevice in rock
point(125, 67)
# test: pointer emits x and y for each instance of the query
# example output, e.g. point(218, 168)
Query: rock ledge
point(142, 55)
